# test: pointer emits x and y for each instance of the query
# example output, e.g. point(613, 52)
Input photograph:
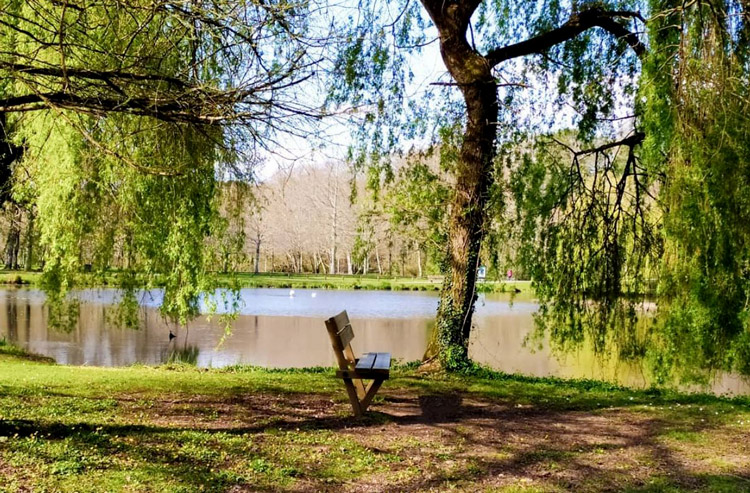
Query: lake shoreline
point(283, 328)
point(295, 281)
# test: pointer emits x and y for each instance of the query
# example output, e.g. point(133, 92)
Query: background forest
point(308, 219)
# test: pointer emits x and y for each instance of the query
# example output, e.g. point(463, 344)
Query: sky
point(538, 109)
point(427, 68)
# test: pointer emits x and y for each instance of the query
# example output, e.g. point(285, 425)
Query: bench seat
point(370, 366)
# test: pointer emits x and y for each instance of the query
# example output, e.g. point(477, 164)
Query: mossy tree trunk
point(473, 175)
point(474, 178)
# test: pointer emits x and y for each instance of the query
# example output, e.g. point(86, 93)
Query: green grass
point(20, 278)
point(371, 281)
point(299, 281)
point(181, 428)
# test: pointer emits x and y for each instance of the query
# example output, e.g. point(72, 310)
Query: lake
point(280, 328)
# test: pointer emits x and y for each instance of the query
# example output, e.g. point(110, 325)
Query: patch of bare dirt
point(474, 444)
point(20, 484)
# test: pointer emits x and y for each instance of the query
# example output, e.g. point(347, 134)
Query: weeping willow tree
point(698, 114)
point(659, 218)
point(584, 220)
point(129, 114)
point(491, 52)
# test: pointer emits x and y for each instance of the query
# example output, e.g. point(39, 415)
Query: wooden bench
point(371, 366)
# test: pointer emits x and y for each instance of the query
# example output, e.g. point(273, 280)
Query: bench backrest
point(341, 333)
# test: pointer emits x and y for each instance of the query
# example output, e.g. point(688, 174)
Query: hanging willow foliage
point(699, 115)
point(658, 218)
point(129, 115)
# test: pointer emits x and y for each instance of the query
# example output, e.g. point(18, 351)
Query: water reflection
point(186, 355)
point(398, 322)
point(266, 340)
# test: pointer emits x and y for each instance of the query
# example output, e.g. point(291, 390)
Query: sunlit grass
point(299, 281)
point(181, 428)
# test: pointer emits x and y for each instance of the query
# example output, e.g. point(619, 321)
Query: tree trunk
point(257, 254)
point(334, 227)
point(14, 239)
point(474, 178)
point(390, 258)
point(332, 266)
point(319, 263)
point(9, 154)
point(29, 241)
point(419, 262)
point(11, 247)
point(349, 263)
point(225, 263)
point(466, 225)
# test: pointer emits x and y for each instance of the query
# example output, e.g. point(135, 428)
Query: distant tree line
point(315, 218)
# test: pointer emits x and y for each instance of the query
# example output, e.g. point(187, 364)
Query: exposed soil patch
point(435, 442)
point(19, 482)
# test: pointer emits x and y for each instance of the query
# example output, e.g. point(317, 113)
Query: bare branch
point(103, 75)
point(577, 24)
point(630, 141)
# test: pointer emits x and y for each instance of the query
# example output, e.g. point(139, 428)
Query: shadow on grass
point(489, 443)
point(154, 455)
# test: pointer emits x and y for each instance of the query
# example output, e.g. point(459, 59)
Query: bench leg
point(372, 389)
point(359, 384)
point(353, 397)
point(359, 406)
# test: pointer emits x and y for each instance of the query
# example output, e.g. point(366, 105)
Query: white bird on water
point(314, 294)
point(291, 293)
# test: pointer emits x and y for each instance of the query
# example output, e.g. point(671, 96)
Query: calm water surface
point(278, 329)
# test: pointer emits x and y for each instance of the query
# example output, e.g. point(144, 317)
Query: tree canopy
point(492, 51)
point(640, 204)
point(129, 112)
point(607, 140)
point(642, 250)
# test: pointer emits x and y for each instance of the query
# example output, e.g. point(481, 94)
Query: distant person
point(510, 274)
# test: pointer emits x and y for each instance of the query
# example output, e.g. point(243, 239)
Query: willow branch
point(576, 25)
point(103, 75)
point(630, 141)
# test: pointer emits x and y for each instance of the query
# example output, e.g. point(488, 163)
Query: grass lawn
point(301, 281)
point(297, 281)
point(14, 277)
point(246, 429)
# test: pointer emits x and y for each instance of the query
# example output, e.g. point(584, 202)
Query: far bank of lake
point(283, 327)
